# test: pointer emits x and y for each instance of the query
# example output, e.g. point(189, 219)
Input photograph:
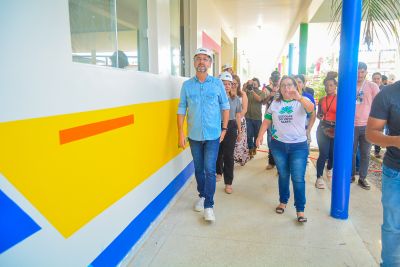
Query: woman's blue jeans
point(291, 162)
point(391, 217)
point(205, 155)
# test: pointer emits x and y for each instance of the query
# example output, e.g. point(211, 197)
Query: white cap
point(203, 51)
point(226, 76)
point(226, 66)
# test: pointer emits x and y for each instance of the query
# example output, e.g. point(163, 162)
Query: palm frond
point(376, 14)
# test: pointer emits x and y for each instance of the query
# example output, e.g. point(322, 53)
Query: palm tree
point(383, 14)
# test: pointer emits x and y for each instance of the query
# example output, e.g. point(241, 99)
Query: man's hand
point(182, 141)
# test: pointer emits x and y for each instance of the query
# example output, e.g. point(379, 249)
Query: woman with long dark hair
point(288, 115)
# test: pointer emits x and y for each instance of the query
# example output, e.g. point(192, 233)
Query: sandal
point(301, 219)
point(280, 210)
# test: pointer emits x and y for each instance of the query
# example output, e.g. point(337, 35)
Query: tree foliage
point(382, 14)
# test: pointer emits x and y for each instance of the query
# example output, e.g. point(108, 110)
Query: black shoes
point(364, 184)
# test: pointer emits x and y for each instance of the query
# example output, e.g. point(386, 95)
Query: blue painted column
point(291, 48)
point(348, 65)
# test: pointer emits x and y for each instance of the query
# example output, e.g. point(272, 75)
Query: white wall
point(39, 79)
point(159, 37)
point(210, 21)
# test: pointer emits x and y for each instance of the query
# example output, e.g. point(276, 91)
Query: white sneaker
point(320, 183)
point(199, 204)
point(329, 173)
point(209, 214)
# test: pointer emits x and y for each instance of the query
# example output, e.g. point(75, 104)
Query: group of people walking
point(225, 126)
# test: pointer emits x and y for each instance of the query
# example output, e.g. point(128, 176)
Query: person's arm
point(245, 103)
point(181, 134)
point(259, 97)
point(224, 106)
point(305, 102)
point(264, 126)
point(225, 119)
point(239, 125)
point(182, 106)
point(320, 113)
point(256, 96)
point(374, 134)
point(311, 122)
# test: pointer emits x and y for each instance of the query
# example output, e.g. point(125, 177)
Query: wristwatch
point(224, 129)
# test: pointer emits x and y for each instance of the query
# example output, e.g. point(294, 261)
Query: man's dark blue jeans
point(205, 155)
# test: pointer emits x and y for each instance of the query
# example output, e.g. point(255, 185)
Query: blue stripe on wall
point(15, 224)
point(120, 247)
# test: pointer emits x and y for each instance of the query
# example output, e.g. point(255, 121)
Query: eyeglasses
point(198, 59)
point(288, 85)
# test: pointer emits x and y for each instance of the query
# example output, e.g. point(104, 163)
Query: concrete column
point(291, 48)
point(235, 53)
point(303, 48)
point(283, 65)
point(348, 65)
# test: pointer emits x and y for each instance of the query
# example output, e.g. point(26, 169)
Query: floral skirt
point(241, 153)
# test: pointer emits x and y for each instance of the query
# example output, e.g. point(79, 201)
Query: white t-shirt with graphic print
point(288, 120)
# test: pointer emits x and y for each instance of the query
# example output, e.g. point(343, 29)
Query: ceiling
point(265, 27)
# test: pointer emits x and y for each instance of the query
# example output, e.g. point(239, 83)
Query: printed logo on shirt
point(286, 118)
point(360, 97)
point(273, 132)
point(287, 109)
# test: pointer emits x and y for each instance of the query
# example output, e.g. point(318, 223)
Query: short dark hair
point(275, 76)
point(256, 80)
point(384, 78)
point(362, 66)
point(377, 73)
point(327, 79)
point(301, 77)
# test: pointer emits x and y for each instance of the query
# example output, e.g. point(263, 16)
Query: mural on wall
point(71, 168)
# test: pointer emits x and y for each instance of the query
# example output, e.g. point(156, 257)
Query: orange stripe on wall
point(83, 131)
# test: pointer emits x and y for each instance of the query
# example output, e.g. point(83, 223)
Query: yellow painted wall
point(72, 183)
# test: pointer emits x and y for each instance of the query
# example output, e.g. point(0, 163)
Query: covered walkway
point(248, 232)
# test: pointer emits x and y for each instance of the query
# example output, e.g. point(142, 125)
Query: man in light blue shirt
point(202, 98)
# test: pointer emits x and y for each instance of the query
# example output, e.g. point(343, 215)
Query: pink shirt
point(369, 91)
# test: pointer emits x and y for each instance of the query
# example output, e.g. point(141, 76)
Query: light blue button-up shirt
point(203, 102)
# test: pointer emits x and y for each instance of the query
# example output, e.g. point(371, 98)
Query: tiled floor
point(248, 232)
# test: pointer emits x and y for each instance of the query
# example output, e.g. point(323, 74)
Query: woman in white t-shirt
point(287, 116)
